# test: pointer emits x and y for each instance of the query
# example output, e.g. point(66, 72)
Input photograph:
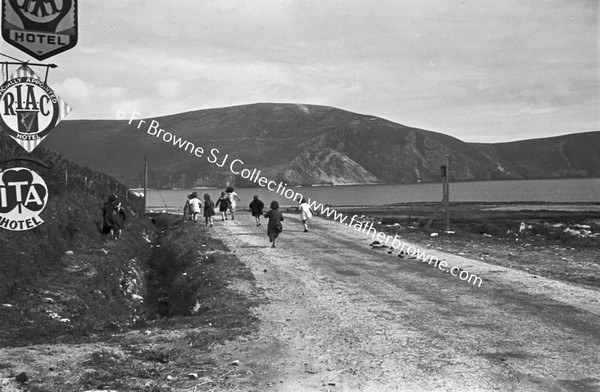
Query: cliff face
point(326, 166)
point(308, 144)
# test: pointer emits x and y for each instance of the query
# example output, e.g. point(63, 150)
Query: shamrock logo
point(22, 189)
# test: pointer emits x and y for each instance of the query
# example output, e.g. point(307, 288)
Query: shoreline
point(516, 206)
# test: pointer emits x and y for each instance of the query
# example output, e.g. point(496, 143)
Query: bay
point(562, 190)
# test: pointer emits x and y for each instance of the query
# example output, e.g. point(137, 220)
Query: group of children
point(227, 202)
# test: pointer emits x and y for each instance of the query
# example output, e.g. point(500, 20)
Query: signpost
point(40, 28)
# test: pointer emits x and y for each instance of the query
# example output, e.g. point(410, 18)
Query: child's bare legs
point(257, 220)
point(304, 222)
point(210, 220)
point(223, 215)
point(232, 210)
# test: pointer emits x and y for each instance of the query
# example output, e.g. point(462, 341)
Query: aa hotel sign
point(40, 28)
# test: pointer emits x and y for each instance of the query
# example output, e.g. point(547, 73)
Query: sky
point(478, 70)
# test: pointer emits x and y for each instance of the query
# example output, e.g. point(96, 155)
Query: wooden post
point(446, 186)
point(145, 181)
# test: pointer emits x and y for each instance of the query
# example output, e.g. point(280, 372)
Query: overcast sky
point(479, 70)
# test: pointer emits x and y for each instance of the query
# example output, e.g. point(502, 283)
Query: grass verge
point(198, 294)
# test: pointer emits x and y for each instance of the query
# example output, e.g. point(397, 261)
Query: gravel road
point(337, 315)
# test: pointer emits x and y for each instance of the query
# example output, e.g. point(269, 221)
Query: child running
point(209, 210)
point(223, 204)
point(305, 213)
point(256, 208)
point(232, 203)
point(274, 227)
point(194, 206)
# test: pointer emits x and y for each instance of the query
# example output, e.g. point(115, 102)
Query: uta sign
point(29, 109)
point(40, 28)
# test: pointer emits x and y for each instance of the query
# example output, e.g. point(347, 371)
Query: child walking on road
point(209, 209)
point(274, 227)
point(195, 206)
point(305, 213)
point(232, 202)
point(256, 207)
point(223, 204)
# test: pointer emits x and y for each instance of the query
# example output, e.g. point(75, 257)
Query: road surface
point(337, 315)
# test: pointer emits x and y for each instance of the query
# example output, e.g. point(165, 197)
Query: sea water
point(564, 190)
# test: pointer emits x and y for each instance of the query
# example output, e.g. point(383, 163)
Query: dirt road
point(340, 316)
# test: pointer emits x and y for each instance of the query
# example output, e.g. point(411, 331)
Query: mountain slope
point(574, 155)
point(304, 144)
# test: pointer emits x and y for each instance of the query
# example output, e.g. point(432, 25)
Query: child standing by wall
point(274, 227)
point(119, 220)
point(256, 208)
point(209, 209)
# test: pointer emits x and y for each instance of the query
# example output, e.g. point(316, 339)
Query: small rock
point(69, 252)
point(48, 300)
point(434, 234)
point(235, 363)
point(169, 377)
point(22, 377)
point(138, 298)
point(196, 307)
point(193, 376)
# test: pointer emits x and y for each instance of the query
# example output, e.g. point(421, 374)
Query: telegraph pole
point(145, 181)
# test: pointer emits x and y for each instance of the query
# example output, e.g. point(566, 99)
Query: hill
point(310, 144)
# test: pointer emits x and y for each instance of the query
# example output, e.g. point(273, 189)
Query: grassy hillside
point(65, 265)
point(575, 155)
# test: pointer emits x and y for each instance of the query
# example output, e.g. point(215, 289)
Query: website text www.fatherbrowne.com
point(236, 166)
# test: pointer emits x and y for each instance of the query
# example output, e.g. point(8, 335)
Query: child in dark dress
point(274, 227)
point(223, 204)
point(209, 209)
point(256, 208)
